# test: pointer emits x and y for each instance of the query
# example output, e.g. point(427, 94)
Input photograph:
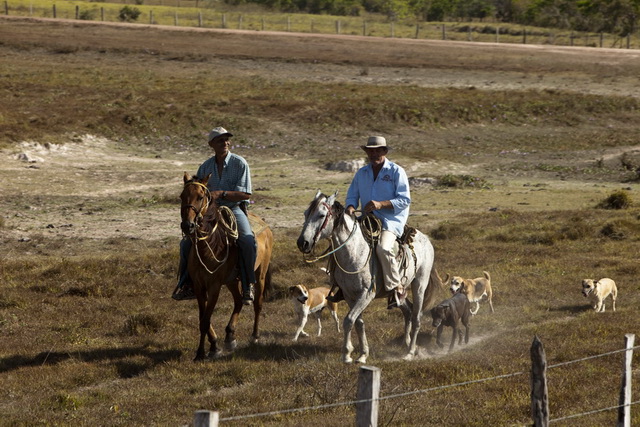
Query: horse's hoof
point(231, 345)
point(254, 340)
point(215, 354)
point(362, 359)
point(408, 357)
point(347, 359)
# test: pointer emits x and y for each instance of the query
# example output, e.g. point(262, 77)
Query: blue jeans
point(247, 247)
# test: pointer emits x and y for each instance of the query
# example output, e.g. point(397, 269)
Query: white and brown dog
point(598, 291)
point(311, 301)
point(474, 289)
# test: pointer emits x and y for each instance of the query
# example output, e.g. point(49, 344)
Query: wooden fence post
point(77, 12)
point(444, 32)
point(393, 31)
point(175, 18)
point(369, 390)
point(205, 419)
point(151, 17)
point(6, 7)
point(240, 22)
point(224, 21)
point(539, 392)
point(199, 18)
point(497, 34)
point(624, 410)
point(54, 11)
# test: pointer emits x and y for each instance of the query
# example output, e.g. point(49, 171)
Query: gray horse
point(354, 261)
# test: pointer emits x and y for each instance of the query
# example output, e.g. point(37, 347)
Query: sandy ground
point(96, 188)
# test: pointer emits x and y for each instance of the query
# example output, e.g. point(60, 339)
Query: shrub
point(129, 14)
point(616, 200)
point(462, 181)
point(87, 15)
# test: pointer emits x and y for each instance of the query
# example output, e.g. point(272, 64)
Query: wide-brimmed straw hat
point(216, 132)
point(375, 142)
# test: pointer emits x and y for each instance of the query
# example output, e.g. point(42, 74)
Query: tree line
point(609, 16)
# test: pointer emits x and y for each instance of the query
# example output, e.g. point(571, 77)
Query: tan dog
point(474, 289)
point(599, 291)
point(311, 301)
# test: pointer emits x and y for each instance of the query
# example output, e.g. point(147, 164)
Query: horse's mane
point(315, 203)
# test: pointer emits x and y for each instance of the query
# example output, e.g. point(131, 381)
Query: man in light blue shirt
point(230, 185)
point(382, 188)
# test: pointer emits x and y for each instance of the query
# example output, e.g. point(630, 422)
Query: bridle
point(231, 228)
point(205, 204)
point(331, 250)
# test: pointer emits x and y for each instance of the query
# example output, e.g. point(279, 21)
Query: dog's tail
point(434, 290)
point(486, 275)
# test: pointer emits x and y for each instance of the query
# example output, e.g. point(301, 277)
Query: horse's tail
point(268, 285)
point(434, 289)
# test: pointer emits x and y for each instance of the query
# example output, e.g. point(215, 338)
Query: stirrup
point(184, 293)
point(337, 297)
point(248, 295)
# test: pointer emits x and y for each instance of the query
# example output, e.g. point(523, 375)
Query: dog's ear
point(292, 288)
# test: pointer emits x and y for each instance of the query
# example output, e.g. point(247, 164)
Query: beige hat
point(375, 142)
point(219, 131)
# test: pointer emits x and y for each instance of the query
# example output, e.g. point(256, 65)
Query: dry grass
point(90, 335)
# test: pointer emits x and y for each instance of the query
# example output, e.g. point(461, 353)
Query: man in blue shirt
point(229, 185)
point(382, 188)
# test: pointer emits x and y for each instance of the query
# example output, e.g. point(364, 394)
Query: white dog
point(311, 301)
point(474, 289)
point(598, 291)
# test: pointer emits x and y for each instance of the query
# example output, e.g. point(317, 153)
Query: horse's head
point(195, 198)
point(317, 221)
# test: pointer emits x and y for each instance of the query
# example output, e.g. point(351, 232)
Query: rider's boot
point(248, 294)
point(336, 296)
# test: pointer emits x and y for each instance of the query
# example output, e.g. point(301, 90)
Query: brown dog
point(451, 312)
point(311, 301)
point(474, 289)
point(598, 291)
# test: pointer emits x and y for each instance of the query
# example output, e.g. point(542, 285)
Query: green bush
point(129, 14)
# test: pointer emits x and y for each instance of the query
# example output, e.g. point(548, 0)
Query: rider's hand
point(373, 205)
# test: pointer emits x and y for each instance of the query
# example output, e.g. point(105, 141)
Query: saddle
point(371, 228)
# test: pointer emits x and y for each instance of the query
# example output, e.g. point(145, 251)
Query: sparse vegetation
point(617, 200)
point(86, 317)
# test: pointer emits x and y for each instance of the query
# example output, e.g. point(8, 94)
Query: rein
point(227, 222)
point(326, 253)
point(370, 237)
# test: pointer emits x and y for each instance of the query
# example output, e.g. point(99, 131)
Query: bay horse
point(355, 274)
point(213, 261)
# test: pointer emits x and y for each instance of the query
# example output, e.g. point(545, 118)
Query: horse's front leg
point(349, 321)
point(230, 342)
point(205, 310)
point(362, 336)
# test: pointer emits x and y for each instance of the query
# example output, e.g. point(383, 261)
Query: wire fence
point(444, 387)
point(376, 26)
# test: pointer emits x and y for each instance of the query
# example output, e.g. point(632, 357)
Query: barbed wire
point(442, 387)
point(595, 411)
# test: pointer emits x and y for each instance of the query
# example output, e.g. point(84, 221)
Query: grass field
point(90, 231)
point(191, 13)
